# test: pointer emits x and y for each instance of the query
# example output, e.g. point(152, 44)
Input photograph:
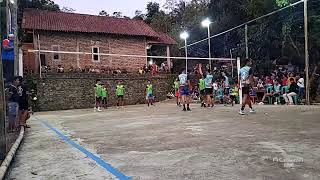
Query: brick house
point(60, 31)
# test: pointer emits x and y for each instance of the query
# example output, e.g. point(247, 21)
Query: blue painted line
point(98, 160)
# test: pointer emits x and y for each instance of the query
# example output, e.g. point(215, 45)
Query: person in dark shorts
point(209, 89)
point(23, 103)
point(104, 96)
point(13, 97)
point(185, 89)
point(120, 94)
point(246, 77)
point(98, 95)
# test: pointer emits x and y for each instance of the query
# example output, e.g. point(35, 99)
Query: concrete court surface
point(164, 143)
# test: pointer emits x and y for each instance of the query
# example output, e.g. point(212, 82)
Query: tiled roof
point(162, 38)
point(72, 22)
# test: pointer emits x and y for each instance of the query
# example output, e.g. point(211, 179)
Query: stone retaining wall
point(72, 91)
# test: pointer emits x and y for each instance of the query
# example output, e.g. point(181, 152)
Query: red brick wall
point(106, 43)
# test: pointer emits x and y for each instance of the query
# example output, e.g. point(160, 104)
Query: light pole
point(306, 49)
point(184, 35)
point(206, 23)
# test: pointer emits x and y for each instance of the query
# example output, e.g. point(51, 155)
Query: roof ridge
point(83, 14)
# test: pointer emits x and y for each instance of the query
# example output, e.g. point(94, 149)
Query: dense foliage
point(277, 37)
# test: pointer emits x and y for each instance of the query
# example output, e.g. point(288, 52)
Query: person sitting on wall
point(8, 57)
point(60, 69)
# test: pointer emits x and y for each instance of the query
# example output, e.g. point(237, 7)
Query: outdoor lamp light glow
point(206, 22)
point(184, 35)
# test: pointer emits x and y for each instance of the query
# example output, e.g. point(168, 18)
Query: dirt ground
point(162, 143)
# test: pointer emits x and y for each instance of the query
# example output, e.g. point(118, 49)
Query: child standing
point(120, 94)
point(149, 93)
point(104, 96)
point(98, 95)
point(177, 92)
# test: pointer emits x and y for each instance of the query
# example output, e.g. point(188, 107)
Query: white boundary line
point(129, 55)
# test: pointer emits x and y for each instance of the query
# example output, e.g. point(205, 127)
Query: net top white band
point(130, 55)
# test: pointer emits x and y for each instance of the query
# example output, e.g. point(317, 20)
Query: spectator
point(60, 69)
point(284, 80)
point(293, 91)
point(291, 77)
point(13, 104)
point(8, 57)
point(290, 68)
point(300, 84)
point(23, 103)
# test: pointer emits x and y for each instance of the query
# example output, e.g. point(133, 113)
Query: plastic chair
point(219, 94)
point(269, 90)
point(284, 90)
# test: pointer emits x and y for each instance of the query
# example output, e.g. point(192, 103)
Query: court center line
point(95, 158)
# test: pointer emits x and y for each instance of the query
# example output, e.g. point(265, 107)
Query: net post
point(39, 56)
point(240, 89)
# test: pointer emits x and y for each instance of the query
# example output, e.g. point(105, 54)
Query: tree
point(35, 4)
point(152, 10)
point(68, 10)
point(38, 4)
point(103, 13)
point(117, 14)
point(139, 15)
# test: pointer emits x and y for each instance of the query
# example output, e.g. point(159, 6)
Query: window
point(56, 56)
point(95, 54)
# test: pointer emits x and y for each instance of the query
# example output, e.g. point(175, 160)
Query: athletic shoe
point(184, 109)
point(188, 109)
point(94, 109)
point(276, 103)
point(99, 110)
point(252, 111)
point(241, 112)
point(261, 103)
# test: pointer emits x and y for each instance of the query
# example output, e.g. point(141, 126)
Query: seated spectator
point(141, 71)
point(71, 69)
point(275, 92)
point(60, 69)
point(300, 84)
point(269, 81)
point(260, 84)
point(293, 91)
point(291, 77)
point(284, 80)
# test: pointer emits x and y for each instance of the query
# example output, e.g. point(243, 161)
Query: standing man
point(202, 88)
point(23, 103)
point(98, 95)
point(246, 82)
point(104, 96)
point(209, 89)
point(8, 57)
point(185, 90)
point(120, 94)
point(149, 93)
